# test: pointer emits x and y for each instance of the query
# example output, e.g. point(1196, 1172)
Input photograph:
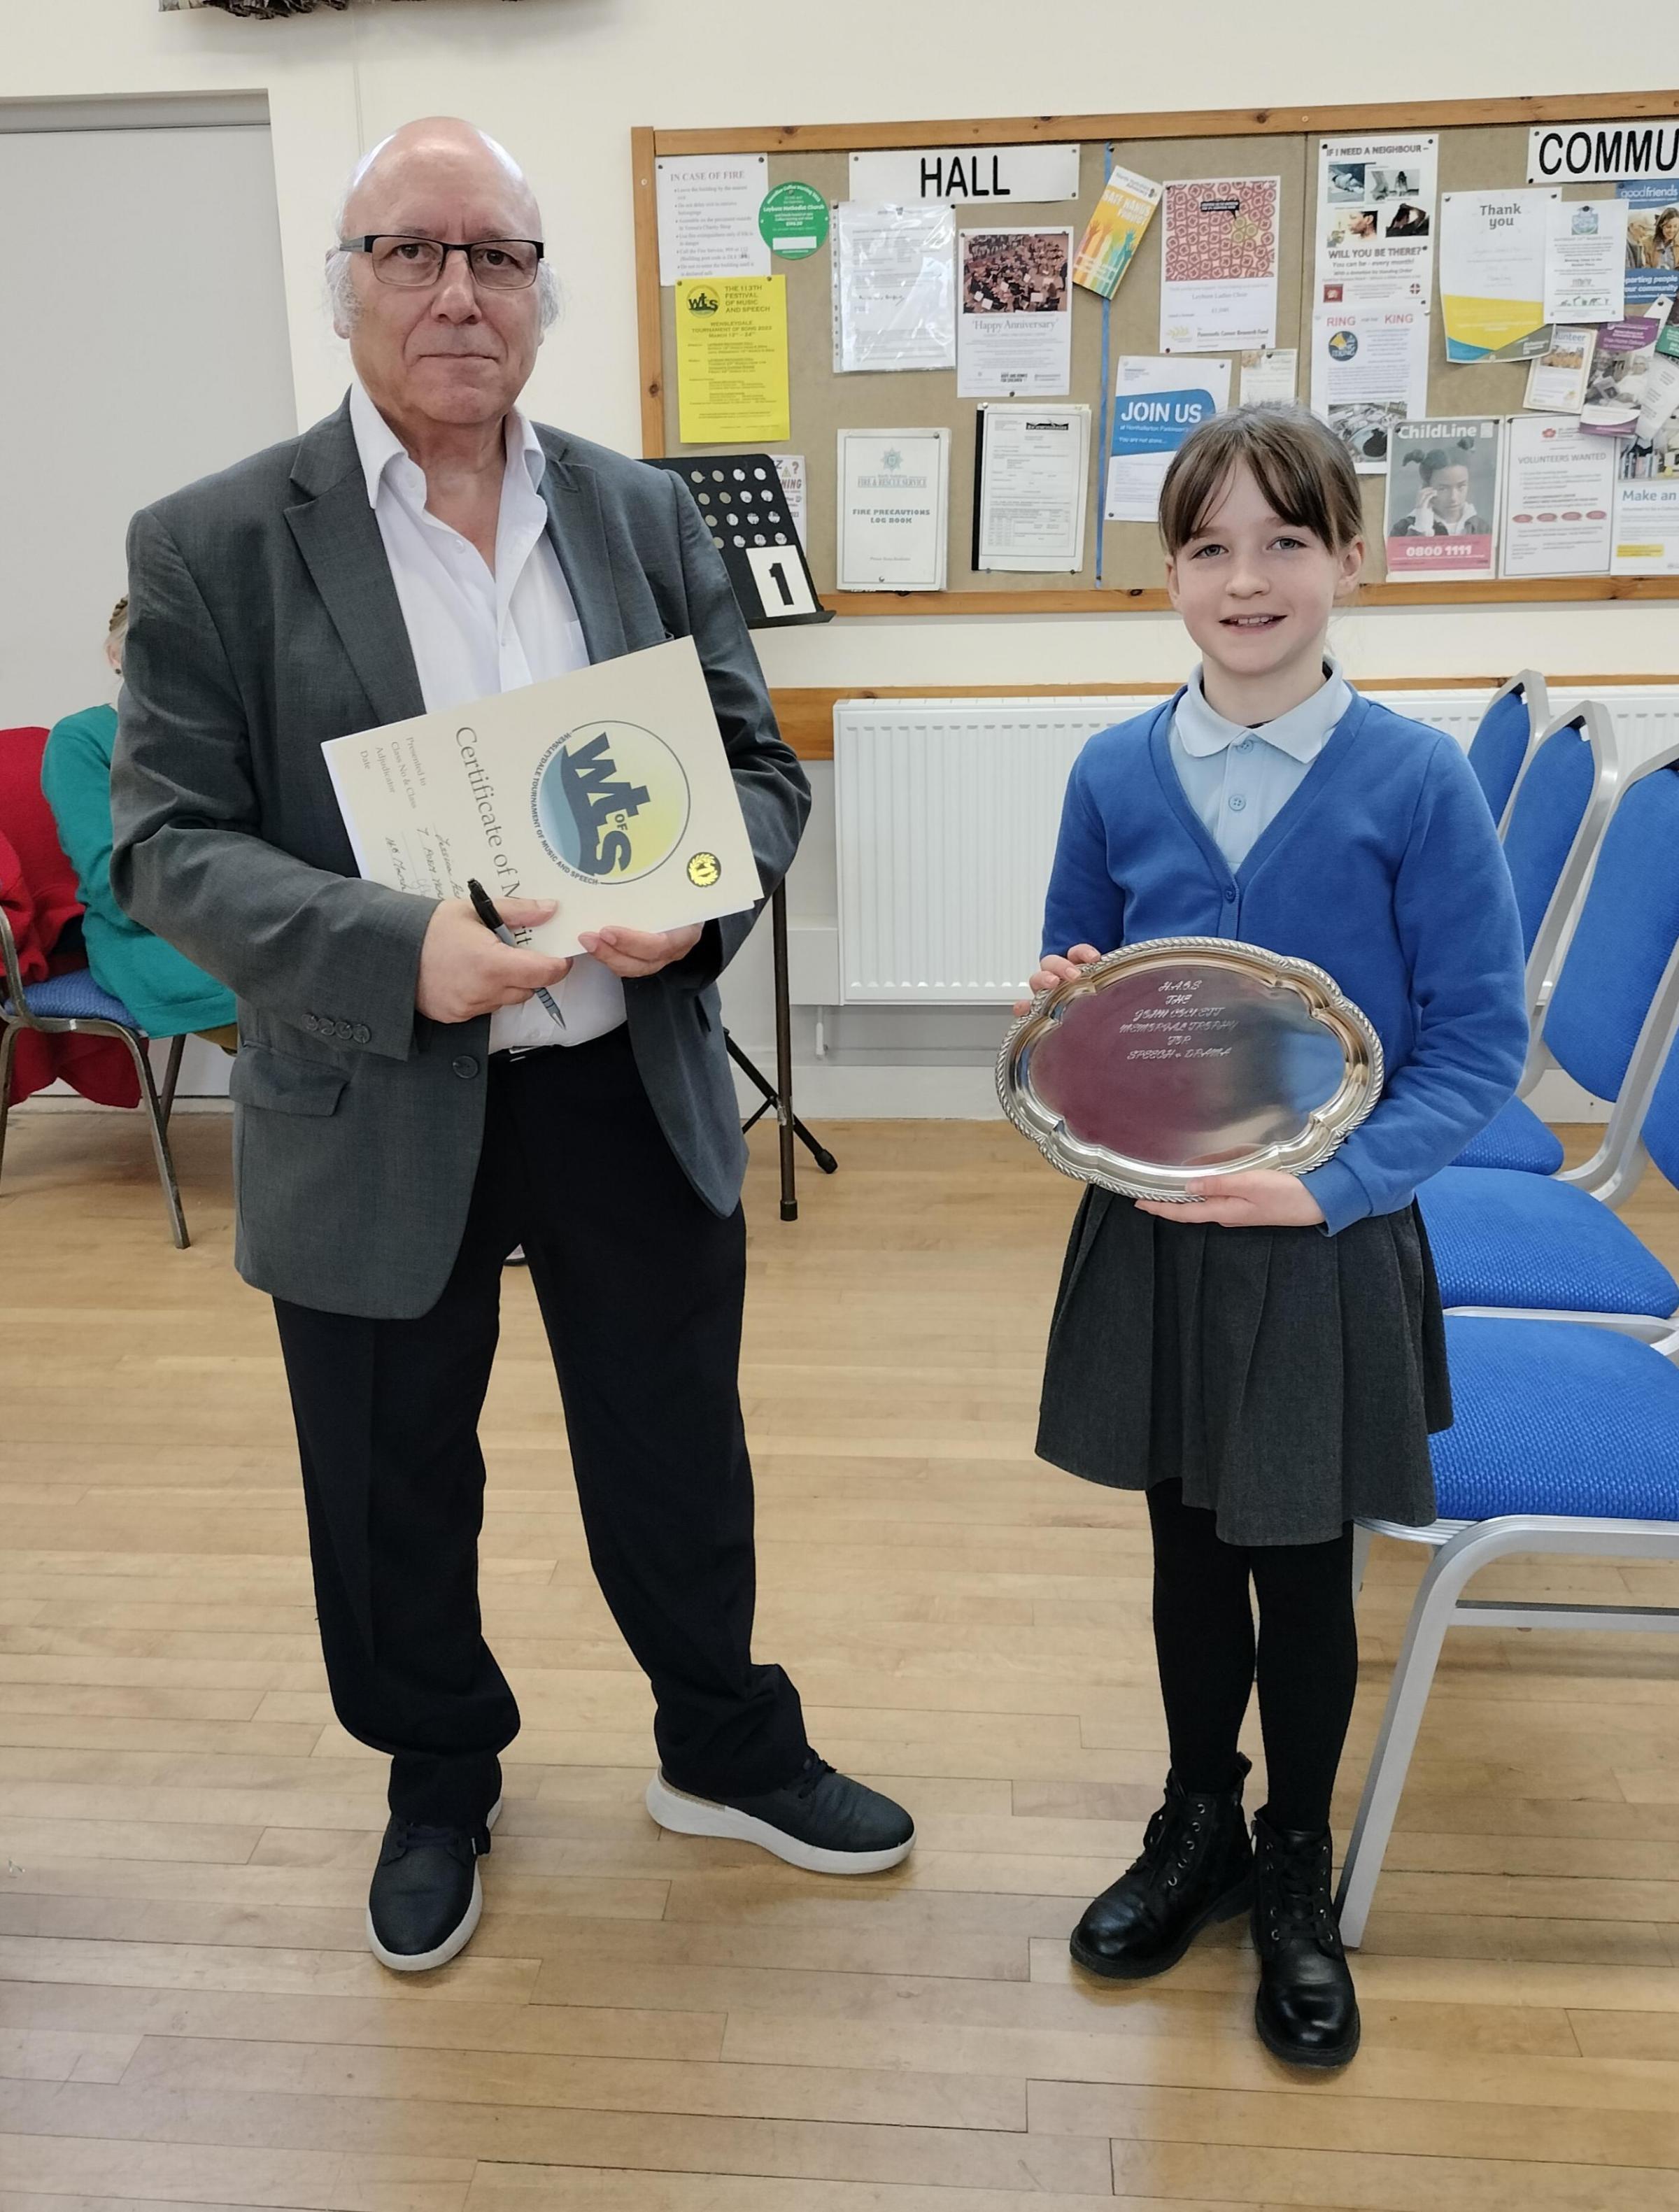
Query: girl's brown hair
point(1303, 470)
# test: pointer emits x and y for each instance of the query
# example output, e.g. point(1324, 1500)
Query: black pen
point(485, 907)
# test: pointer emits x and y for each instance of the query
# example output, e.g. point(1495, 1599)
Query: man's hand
point(1056, 970)
point(1263, 1198)
point(465, 970)
point(639, 951)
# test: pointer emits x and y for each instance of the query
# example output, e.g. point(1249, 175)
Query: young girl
point(1266, 1361)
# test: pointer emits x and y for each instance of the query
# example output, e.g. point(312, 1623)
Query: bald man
point(407, 1107)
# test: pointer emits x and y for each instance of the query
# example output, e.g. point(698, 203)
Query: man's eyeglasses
point(498, 265)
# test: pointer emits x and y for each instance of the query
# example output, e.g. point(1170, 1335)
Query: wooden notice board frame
point(1478, 148)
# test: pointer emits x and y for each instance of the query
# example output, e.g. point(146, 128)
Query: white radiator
point(947, 810)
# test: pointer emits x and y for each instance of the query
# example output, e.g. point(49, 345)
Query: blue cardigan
point(1384, 868)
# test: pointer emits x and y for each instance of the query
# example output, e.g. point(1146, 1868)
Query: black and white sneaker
point(822, 1822)
point(426, 1898)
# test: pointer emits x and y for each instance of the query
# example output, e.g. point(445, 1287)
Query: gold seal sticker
point(704, 869)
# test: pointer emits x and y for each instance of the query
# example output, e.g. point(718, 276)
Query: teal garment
point(166, 994)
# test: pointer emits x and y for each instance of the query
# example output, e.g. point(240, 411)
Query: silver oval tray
point(1182, 1059)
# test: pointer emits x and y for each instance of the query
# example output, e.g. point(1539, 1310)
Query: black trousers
point(1306, 1657)
point(641, 1288)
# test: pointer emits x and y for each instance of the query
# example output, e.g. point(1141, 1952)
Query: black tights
point(1307, 1655)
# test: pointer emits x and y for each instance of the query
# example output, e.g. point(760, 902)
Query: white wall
point(561, 82)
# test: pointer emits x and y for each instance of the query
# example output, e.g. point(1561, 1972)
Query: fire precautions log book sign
point(608, 790)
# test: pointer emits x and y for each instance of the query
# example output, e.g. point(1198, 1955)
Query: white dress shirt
point(1238, 780)
point(473, 634)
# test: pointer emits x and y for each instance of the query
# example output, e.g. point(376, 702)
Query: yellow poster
point(731, 359)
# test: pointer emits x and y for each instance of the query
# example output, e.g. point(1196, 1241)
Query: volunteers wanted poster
point(607, 790)
point(1219, 275)
point(1559, 499)
point(1157, 403)
point(1443, 498)
point(1375, 220)
point(1014, 323)
point(1369, 371)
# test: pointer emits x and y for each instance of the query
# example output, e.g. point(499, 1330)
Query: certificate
point(1585, 261)
point(607, 790)
point(894, 499)
point(1015, 327)
point(1559, 499)
point(1032, 464)
point(894, 287)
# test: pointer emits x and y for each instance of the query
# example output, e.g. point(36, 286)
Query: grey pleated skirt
point(1290, 1380)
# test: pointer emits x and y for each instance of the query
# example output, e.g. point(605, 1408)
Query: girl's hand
point(1263, 1198)
point(1056, 970)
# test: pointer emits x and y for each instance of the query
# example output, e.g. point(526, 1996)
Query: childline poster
point(1443, 498)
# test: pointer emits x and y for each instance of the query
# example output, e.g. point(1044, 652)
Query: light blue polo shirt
point(1238, 780)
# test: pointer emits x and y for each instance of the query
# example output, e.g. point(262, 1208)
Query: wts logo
point(610, 801)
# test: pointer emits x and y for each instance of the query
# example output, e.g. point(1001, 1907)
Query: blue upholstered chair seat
point(1557, 1417)
point(1517, 1141)
point(75, 996)
point(1523, 1240)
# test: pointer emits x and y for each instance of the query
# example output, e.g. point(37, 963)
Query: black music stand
point(778, 1095)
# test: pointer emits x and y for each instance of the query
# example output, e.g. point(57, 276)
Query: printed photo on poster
point(1369, 371)
point(1219, 273)
point(1558, 500)
point(1653, 239)
point(1375, 220)
point(1443, 498)
point(1615, 389)
point(1557, 377)
point(1014, 320)
point(1158, 401)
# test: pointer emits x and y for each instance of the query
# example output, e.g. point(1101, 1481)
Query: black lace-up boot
point(1306, 2011)
point(1196, 1866)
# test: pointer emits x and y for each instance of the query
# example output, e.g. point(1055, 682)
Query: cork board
point(1483, 145)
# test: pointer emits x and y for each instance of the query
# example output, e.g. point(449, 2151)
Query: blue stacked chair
point(1505, 1242)
point(1517, 711)
point(1556, 821)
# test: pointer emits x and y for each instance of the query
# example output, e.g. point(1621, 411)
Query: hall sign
point(1027, 173)
point(1603, 152)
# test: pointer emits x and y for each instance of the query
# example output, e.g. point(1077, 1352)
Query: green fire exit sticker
point(793, 221)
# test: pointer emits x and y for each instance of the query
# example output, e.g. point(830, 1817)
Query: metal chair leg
point(160, 1141)
point(8, 1047)
point(1408, 1699)
point(172, 1075)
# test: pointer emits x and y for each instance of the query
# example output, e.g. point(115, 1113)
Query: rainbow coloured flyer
point(608, 790)
point(1114, 232)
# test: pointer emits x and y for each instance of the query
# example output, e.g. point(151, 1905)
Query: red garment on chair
point(38, 891)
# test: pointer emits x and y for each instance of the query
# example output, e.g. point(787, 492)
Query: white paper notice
point(708, 216)
point(1014, 324)
point(1369, 371)
point(894, 499)
point(894, 287)
point(1585, 261)
point(1271, 375)
point(1375, 220)
point(1557, 377)
point(1034, 466)
point(1157, 403)
point(1492, 268)
point(1646, 528)
point(1558, 500)
point(790, 468)
point(1219, 264)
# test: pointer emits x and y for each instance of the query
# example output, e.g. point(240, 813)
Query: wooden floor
point(188, 2015)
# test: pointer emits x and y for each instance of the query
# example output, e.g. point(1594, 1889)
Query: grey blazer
point(262, 620)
